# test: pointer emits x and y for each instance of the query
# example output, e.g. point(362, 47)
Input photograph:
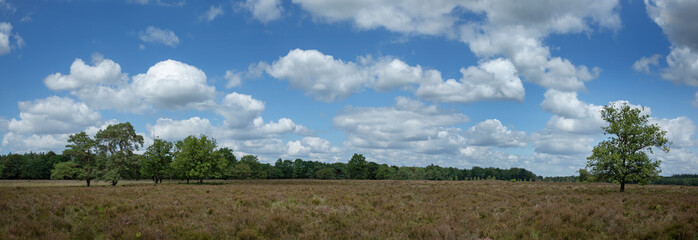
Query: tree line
point(39, 166)
point(586, 176)
point(110, 157)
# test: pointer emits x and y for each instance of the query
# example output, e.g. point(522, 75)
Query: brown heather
point(314, 209)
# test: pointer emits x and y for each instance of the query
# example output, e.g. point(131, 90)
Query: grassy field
point(310, 209)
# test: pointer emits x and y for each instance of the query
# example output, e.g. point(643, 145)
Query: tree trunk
point(187, 180)
point(622, 186)
point(88, 182)
point(155, 179)
point(160, 180)
point(201, 180)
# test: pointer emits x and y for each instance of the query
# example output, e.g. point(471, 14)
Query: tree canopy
point(81, 151)
point(156, 160)
point(357, 167)
point(623, 156)
point(116, 144)
point(194, 158)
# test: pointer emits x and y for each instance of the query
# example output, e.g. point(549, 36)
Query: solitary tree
point(116, 144)
point(623, 156)
point(80, 151)
point(156, 160)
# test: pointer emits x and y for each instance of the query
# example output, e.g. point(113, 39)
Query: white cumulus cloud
point(682, 66)
point(6, 45)
point(168, 84)
point(571, 114)
point(239, 110)
point(264, 10)
point(680, 24)
point(234, 79)
point(53, 115)
point(174, 130)
point(532, 59)
point(677, 19)
point(491, 80)
point(515, 30)
point(20, 143)
point(44, 124)
point(322, 76)
point(329, 79)
point(389, 73)
point(120, 98)
point(679, 130)
point(103, 71)
point(491, 132)
point(564, 104)
point(309, 147)
point(644, 64)
point(173, 85)
point(409, 124)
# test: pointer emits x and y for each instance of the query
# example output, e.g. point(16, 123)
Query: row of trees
point(679, 179)
point(29, 165)
point(586, 176)
point(39, 166)
point(359, 168)
point(110, 157)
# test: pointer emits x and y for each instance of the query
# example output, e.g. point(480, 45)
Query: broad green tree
point(285, 168)
point(116, 144)
point(230, 160)
point(66, 171)
point(385, 172)
point(357, 168)
point(194, 158)
point(156, 160)
point(13, 166)
point(584, 175)
point(81, 151)
point(256, 168)
point(623, 156)
point(242, 171)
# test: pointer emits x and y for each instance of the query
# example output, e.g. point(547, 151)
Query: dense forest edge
point(40, 166)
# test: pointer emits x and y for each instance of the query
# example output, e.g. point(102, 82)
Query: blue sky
point(413, 83)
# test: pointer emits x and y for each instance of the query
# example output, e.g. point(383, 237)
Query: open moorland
point(347, 209)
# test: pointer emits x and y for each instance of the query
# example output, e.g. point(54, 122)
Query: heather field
point(337, 209)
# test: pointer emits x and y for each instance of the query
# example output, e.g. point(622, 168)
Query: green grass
point(315, 209)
